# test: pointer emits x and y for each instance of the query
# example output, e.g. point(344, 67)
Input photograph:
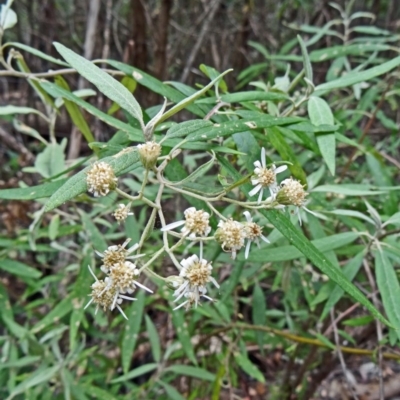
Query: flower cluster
point(192, 280)
point(100, 179)
point(121, 278)
point(195, 272)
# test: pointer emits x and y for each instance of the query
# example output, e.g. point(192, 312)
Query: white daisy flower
point(122, 212)
point(196, 222)
point(105, 296)
point(231, 235)
point(194, 276)
point(117, 254)
point(291, 192)
point(265, 177)
point(253, 233)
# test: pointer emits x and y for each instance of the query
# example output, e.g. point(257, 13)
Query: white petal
point(257, 164)
point(255, 190)
point(180, 305)
point(263, 157)
point(88, 304)
point(201, 250)
point(247, 251)
point(127, 298)
point(132, 248)
point(172, 225)
point(214, 282)
point(255, 181)
point(260, 196)
point(281, 169)
point(265, 239)
point(143, 287)
point(123, 314)
point(94, 276)
point(248, 216)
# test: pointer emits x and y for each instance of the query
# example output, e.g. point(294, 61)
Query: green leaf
point(189, 100)
point(200, 171)
point(130, 84)
point(35, 52)
point(306, 59)
point(51, 161)
point(139, 371)
point(21, 362)
point(247, 366)
point(56, 313)
point(77, 117)
point(183, 335)
point(33, 192)
point(358, 76)
point(36, 378)
point(57, 91)
point(19, 269)
point(286, 152)
point(156, 86)
point(154, 339)
point(283, 224)
point(323, 339)
point(230, 127)
point(350, 271)
point(389, 288)
point(320, 114)
point(12, 110)
point(241, 97)
point(286, 253)
point(77, 183)
point(109, 86)
point(353, 189)
point(188, 370)
point(259, 316)
point(97, 239)
point(185, 128)
point(172, 393)
point(131, 331)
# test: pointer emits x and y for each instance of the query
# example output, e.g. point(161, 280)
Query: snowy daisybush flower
point(231, 235)
point(149, 152)
point(122, 276)
point(194, 276)
point(117, 254)
point(291, 193)
point(196, 222)
point(253, 233)
point(105, 296)
point(122, 212)
point(100, 179)
point(265, 177)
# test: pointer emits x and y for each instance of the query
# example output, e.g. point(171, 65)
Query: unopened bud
point(149, 152)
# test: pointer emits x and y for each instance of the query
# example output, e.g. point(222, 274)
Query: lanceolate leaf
point(56, 91)
point(298, 240)
point(77, 184)
point(320, 114)
point(103, 81)
point(33, 192)
point(356, 77)
point(389, 288)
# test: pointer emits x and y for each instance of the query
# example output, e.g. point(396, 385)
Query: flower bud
point(149, 152)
